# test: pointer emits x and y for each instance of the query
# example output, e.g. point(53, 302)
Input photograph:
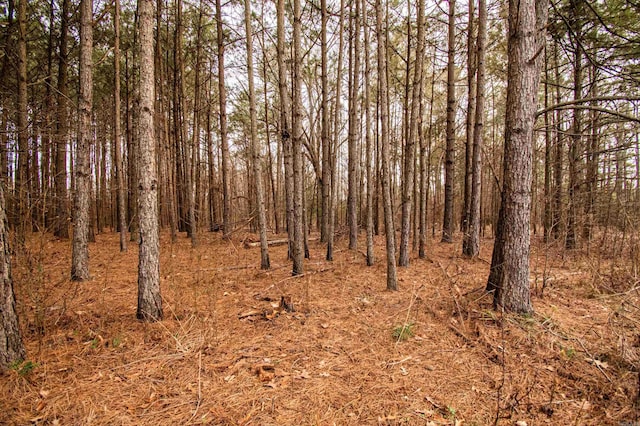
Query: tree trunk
point(369, 166)
point(22, 173)
point(122, 211)
point(354, 130)
point(298, 174)
point(575, 149)
point(61, 224)
point(409, 156)
point(285, 130)
point(194, 155)
point(449, 179)
point(11, 346)
point(471, 242)
point(593, 146)
point(509, 276)
point(557, 164)
point(326, 143)
point(255, 149)
point(149, 299)
point(227, 226)
point(80, 253)
point(336, 134)
point(548, 223)
point(392, 282)
point(472, 55)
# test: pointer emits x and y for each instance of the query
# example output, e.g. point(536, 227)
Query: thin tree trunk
point(213, 212)
point(557, 164)
point(548, 223)
point(47, 142)
point(472, 55)
point(575, 148)
point(227, 226)
point(592, 162)
point(149, 298)
point(285, 130)
point(326, 143)
point(194, 155)
point(22, 172)
point(409, 156)
point(336, 135)
point(298, 176)
point(368, 142)
point(471, 242)
point(274, 192)
point(122, 212)
point(426, 168)
point(80, 252)
point(354, 130)
point(449, 179)
point(61, 224)
point(255, 149)
point(392, 281)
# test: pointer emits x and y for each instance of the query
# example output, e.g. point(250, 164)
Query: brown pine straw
point(331, 361)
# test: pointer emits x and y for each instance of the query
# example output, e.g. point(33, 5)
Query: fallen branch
point(281, 242)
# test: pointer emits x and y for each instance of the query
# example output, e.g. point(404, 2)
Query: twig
point(594, 363)
point(406, 320)
point(391, 364)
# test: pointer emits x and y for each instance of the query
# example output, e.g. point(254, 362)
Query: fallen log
point(249, 244)
point(282, 242)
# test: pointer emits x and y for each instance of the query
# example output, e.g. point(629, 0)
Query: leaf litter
point(225, 356)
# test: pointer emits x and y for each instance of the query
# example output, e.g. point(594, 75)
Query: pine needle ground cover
point(228, 353)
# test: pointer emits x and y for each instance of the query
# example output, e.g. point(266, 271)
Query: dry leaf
point(303, 375)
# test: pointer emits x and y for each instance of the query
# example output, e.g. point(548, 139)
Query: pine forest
point(315, 212)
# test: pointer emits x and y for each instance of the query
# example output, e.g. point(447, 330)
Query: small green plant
point(94, 343)
point(451, 412)
point(403, 332)
point(569, 353)
point(23, 368)
point(116, 341)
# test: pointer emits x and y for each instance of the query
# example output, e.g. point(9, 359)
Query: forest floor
point(225, 354)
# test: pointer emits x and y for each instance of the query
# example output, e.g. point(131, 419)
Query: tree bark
point(472, 55)
point(449, 179)
point(509, 276)
point(336, 134)
point(369, 166)
point(80, 252)
point(547, 220)
point(471, 242)
point(326, 143)
point(117, 132)
point(149, 298)
point(285, 130)
point(392, 281)
point(255, 149)
point(575, 148)
point(298, 175)
point(11, 346)
point(227, 226)
point(409, 156)
point(61, 223)
point(559, 153)
point(354, 130)
point(22, 173)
